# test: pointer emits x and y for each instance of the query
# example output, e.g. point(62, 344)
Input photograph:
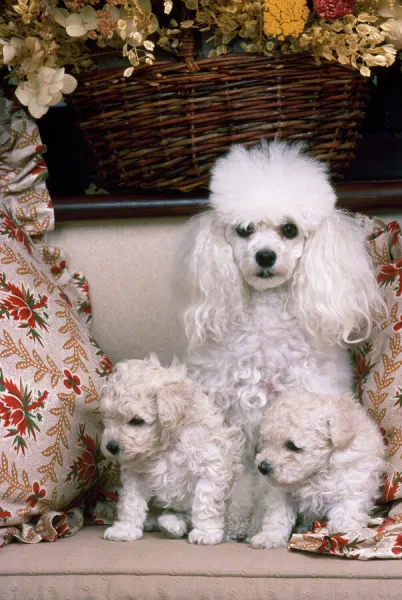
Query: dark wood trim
point(370, 195)
point(355, 196)
point(125, 206)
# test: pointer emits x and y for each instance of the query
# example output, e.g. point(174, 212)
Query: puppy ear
point(208, 283)
point(118, 372)
point(172, 401)
point(153, 359)
point(342, 423)
point(334, 289)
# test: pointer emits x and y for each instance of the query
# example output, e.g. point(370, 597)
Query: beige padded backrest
point(128, 264)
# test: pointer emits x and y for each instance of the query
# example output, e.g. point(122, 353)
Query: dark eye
point(136, 421)
point(292, 447)
point(245, 231)
point(289, 230)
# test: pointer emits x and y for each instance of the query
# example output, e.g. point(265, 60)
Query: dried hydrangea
point(392, 27)
point(350, 40)
point(76, 24)
point(230, 20)
point(44, 90)
point(39, 38)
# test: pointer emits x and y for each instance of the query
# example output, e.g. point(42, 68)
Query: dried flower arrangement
point(39, 39)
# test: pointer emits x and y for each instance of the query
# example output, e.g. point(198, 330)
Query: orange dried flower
point(284, 18)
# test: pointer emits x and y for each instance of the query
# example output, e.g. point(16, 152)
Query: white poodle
point(274, 282)
point(320, 456)
point(173, 447)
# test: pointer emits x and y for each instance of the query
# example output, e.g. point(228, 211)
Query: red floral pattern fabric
point(383, 539)
point(379, 361)
point(51, 368)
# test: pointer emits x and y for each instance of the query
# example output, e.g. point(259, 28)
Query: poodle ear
point(208, 283)
point(172, 401)
point(334, 289)
point(342, 428)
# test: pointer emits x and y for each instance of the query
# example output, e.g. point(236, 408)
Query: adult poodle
point(274, 283)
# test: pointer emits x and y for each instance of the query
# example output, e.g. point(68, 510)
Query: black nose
point(265, 258)
point(113, 447)
point(265, 468)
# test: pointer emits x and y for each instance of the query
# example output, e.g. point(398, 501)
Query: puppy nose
point(265, 468)
point(113, 447)
point(265, 258)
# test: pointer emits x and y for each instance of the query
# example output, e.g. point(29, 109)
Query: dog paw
point(205, 537)
point(172, 525)
point(345, 525)
point(121, 532)
point(268, 540)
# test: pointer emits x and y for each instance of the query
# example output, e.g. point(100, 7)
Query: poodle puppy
point(273, 282)
point(320, 456)
point(173, 447)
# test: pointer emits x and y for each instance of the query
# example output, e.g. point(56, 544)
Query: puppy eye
point(136, 421)
point(292, 447)
point(289, 230)
point(245, 232)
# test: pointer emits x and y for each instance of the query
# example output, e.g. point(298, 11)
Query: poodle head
point(274, 223)
point(142, 403)
point(270, 199)
point(300, 432)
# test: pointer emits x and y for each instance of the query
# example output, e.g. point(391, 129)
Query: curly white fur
point(254, 332)
point(173, 446)
point(320, 456)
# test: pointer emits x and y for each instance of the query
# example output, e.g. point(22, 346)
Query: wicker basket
point(164, 127)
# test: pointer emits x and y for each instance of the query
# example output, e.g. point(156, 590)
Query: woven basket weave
point(164, 127)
